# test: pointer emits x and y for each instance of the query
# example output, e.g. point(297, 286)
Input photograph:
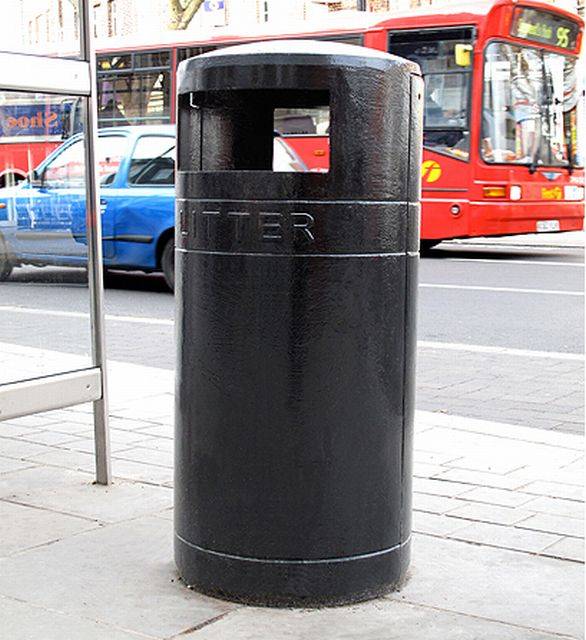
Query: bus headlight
point(573, 192)
point(515, 192)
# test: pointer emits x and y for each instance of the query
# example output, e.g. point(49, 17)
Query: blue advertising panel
point(18, 120)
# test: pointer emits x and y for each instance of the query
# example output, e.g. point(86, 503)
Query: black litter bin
point(296, 302)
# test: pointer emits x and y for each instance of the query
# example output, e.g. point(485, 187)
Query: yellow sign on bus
point(552, 193)
point(430, 171)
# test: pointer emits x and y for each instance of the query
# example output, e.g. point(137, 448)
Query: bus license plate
point(548, 225)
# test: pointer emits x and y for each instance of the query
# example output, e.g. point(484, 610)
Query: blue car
point(42, 220)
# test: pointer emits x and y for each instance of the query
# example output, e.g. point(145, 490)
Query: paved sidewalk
point(532, 389)
point(498, 522)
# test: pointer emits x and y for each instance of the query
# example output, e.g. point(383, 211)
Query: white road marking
point(78, 314)
point(465, 287)
point(553, 263)
point(426, 344)
point(503, 351)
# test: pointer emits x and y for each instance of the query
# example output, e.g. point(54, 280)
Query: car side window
point(67, 170)
point(111, 151)
point(153, 161)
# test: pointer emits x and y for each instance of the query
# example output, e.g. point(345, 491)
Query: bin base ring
point(292, 583)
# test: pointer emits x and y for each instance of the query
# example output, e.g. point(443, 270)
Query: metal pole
point(94, 242)
point(361, 5)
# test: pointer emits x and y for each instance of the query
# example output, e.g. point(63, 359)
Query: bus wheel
point(426, 245)
point(168, 263)
point(6, 264)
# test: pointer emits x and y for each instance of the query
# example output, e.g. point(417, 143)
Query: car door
point(111, 151)
point(144, 206)
point(51, 212)
point(45, 209)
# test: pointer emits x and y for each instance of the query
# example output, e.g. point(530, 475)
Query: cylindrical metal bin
point(296, 302)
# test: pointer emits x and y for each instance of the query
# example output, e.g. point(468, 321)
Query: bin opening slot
point(255, 130)
point(304, 134)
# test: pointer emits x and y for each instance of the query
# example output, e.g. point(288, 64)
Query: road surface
point(500, 328)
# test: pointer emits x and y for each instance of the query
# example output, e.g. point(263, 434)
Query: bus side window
point(189, 52)
point(350, 38)
point(134, 88)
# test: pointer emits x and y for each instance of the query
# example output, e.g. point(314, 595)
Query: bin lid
point(286, 53)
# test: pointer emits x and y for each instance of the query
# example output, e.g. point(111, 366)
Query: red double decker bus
point(503, 108)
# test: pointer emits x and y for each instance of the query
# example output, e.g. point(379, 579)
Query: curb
point(573, 441)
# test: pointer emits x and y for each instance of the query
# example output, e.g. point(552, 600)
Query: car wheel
point(168, 263)
point(6, 264)
point(426, 245)
point(106, 275)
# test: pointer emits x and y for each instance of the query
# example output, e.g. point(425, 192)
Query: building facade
point(55, 21)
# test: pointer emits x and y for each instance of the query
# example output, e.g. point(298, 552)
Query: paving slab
point(555, 490)
point(563, 525)
point(14, 430)
point(158, 444)
point(482, 512)
point(52, 438)
point(496, 535)
point(159, 430)
point(432, 457)
point(66, 458)
point(72, 426)
point(141, 472)
point(480, 449)
point(23, 621)
point(22, 527)
point(527, 591)
point(7, 465)
point(36, 420)
point(425, 470)
point(568, 549)
point(499, 497)
point(379, 620)
point(480, 462)
point(482, 478)
point(21, 449)
point(87, 446)
point(543, 472)
point(74, 493)
point(436, 525)
point(147, 456)
point(556, 506)
point(121, 574)
point(440, 487)
point(435, 504)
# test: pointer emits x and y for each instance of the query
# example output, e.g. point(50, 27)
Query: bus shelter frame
point(71, 77)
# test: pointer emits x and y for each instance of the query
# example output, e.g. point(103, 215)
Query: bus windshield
point(530, 107)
